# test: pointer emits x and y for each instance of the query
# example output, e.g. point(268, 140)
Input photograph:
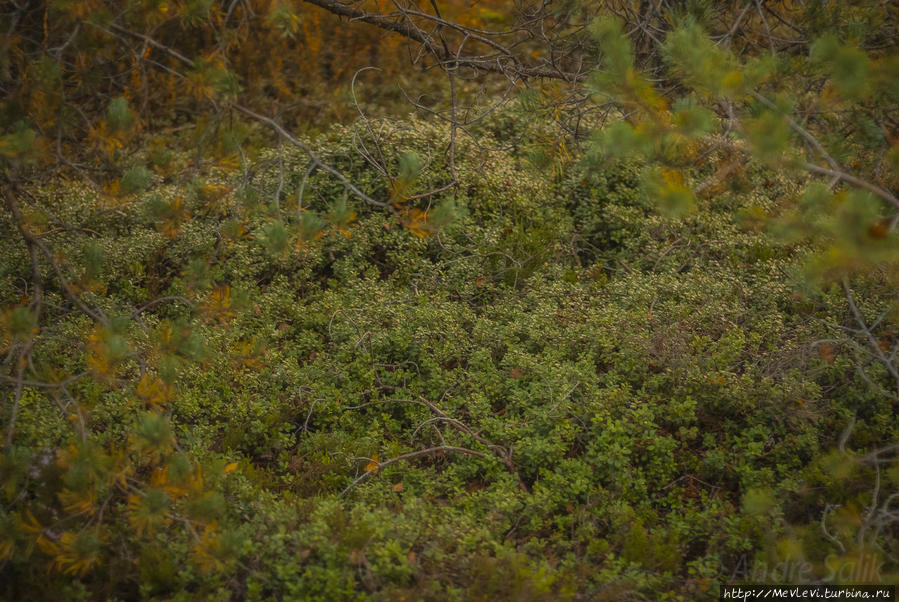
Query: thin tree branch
point(872, 342)
point(36, 301)
point(409, 30)
point(423, 452)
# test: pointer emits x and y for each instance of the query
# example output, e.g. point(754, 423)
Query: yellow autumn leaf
point(373, 466)
point(733, 81)
point(160, 478)
point(30, 523)
point(47, 546)
point(79, 502)
point(230, 467)
point(229, 161)
point(207, 552)
point(153, 391)
point(416, 221)
point(245, 354)
point(6, 550)
point(175, 215)
point(672, 177)
point(218, 304)
point(212, 194)
point(77, 553)
point(98, 361)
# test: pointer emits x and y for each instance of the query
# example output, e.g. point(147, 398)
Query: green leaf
point(310, 226)
point(614, 45)
point(621, 139)
point(93, 257)
point(529, 100)
point(759, 501)
point(341, 213)
point(198, 274)
point(207, 507)
point(693, 119)
point(179, 468)
point(848, 66)
point(136, 180)
point(20, 144)
point(284, 20)
point(119, 116)
point(701, 64)
point(153, 432)
point(275, 237)
point(769, 134)
point(22, 322)
point(410, 166)
point(666, 189)
point(443, 214)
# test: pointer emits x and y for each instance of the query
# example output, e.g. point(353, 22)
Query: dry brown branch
point(504, 61)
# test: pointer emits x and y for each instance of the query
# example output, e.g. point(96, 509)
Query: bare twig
point(318, 163)
point(872, 342)
point(847, 177)
point(33, 244)
point(422, 452)
point(406, 27)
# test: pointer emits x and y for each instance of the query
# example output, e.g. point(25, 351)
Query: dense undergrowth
point(655, 404)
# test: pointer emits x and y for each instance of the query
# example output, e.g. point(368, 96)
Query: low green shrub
point(646, 396)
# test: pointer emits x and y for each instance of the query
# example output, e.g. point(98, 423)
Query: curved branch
point(847, 177)
point(422, 452)
point(443, 56)
point(33, 245)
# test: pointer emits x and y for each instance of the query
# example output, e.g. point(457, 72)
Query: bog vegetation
point(313, 300)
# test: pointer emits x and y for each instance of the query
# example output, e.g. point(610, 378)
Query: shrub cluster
point(597, 402)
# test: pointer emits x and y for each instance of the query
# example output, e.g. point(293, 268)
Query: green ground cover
point(609, 404)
